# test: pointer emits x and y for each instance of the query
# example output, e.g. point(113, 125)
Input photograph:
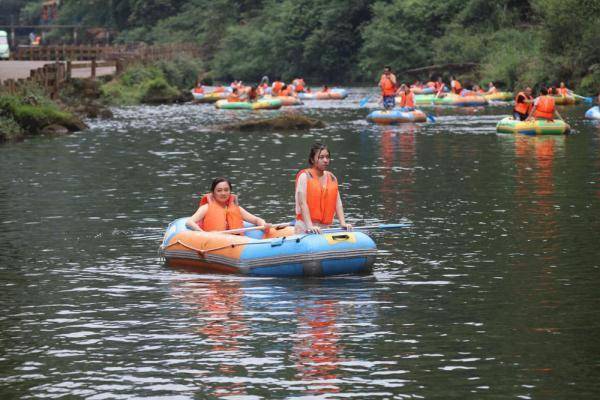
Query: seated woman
point(234, 97)
point(252, 94)
point(199, 89)
point(219, 211)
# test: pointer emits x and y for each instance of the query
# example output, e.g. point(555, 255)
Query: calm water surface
point(492, 292)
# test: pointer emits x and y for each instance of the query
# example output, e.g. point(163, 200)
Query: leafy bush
point(181, 72)
point(158, 90)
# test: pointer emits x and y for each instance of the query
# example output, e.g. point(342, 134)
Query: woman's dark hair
point(544, 91)
point(216, 181)
point(315, 149)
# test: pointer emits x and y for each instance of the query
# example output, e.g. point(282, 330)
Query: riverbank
point(30, 112)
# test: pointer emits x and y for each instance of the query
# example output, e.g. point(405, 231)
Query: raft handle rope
point(203, 251)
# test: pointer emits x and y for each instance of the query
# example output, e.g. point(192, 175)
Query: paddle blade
point(431, 118)
point(364, 101)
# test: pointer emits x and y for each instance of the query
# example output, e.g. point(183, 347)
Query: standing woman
point(317, 196)
point(219, 211)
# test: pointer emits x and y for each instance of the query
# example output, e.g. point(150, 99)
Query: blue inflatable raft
point(593, 113)
point(396, 116)
point(283, 253)
point(331, 94)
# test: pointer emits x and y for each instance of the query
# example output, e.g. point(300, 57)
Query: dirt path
point(20, 69)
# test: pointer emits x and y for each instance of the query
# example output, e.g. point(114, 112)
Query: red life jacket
point(321, 200)
point(219, 218)
point(563, 91)
point(545, 108)
point(523, 108)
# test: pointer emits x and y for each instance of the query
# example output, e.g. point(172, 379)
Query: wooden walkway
point(52, 66)
point(22, 70)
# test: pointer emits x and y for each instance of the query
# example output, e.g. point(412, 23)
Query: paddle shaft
point(254, 228)
point(367, 228)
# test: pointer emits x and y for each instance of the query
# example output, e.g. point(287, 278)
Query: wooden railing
point(53, 76)
point(84, 52)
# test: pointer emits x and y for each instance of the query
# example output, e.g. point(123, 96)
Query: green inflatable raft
point(262, 104)
point(533, 127)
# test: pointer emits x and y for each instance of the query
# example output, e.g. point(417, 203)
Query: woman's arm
point(198, 216)
point(339, 211)
point(303, 204)
point(251, 218)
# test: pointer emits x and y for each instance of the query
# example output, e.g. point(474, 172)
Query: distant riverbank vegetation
point(30, 112)
point(162, 82)
point(513, 42)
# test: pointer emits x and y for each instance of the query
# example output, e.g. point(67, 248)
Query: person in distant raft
point(455, 86)
point(407, 99)
point(387, 83)
point(523, 104)
point(544, 107)
point(317, 195)
point(219, 211)
point(562, 90)
point(234, 96)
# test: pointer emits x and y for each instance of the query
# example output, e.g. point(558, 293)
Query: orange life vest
point(523, 108)
point(299, 84)
point(407, 101)
point(387, 86)
point(219, 218)
point(544, 108)
point(321, 200)
point(198, 89)
point(456, 86)
point(277, 85)
point(232, 98)
point(563, 91)
point(286, 92)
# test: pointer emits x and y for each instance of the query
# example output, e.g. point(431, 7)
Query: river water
point(491, 293)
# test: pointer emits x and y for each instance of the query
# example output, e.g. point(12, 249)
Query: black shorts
point(519, 116)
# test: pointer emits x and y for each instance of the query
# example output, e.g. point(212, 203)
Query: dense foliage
point(29, 111)
point(515, 42)
point(163, 82)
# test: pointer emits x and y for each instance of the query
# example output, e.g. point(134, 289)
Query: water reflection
point(317, 349)
point(535, 183)
point(398, 154)
point(256, 327)
point(217, 307)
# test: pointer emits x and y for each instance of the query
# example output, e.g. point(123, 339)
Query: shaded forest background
point(515, 42)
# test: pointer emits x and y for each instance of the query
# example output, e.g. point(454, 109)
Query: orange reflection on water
point(219, 308)
point(317, 350)
point(398, 149)
point(535, 190)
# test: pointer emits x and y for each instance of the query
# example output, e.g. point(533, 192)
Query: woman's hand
point(262, 222)
point(347, 227)
point(313, 229)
